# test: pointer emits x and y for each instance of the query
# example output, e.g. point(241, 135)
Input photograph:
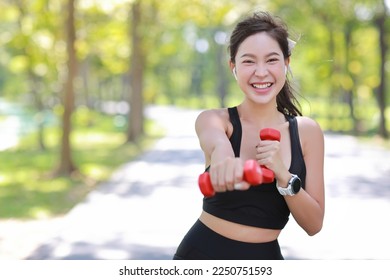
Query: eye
point(247, 61)
point(273, 60)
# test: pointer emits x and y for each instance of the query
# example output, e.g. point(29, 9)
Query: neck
point(263, 115)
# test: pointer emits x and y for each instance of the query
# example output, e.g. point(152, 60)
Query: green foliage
point(181, 50)
point(27, 187)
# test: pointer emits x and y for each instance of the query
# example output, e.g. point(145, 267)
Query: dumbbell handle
point(252, 175)
point(269, 134)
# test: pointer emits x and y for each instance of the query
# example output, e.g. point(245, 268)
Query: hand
point(268, 155)
point(227, 175)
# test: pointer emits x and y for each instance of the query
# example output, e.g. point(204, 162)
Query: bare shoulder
point(221, 113)
point(212, 118)
point(310, 132)
point(212, 129)
point(308, 124)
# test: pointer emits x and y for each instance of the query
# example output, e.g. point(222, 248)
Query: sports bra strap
point(294, 134)
point(235, 138)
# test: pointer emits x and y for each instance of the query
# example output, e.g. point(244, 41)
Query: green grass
point(27, 188)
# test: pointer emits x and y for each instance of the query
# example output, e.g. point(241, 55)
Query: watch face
point(296, 184)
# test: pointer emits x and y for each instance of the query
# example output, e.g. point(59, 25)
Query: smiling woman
point(260, 71)
point(245, 223)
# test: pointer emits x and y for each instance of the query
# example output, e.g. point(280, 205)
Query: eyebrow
point(253, 56)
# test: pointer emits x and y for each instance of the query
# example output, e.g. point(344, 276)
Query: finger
point(242, 186)
point(229, 176)
point(238, 172)
point(214, 178)
point(221, 178)
point(239, 186)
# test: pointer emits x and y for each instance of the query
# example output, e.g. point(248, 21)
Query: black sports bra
point(260, 206)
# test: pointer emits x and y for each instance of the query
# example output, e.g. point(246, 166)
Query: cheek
point(279, 69)
point(279, 74)
point(247, 71)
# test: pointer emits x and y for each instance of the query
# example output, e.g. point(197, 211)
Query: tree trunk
point(381, 93)
point(221, 75)
point(67, 166)
point(349, 92)
point(334, 90)
point(136, 114)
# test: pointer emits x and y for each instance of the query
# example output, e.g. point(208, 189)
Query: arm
point(212, 130)
point(308, 206)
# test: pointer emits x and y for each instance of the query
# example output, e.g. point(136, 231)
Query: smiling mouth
point(262, 86)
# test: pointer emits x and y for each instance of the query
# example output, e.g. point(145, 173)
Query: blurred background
point(77, 75)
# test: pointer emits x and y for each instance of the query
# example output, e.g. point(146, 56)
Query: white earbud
point(235, 73)
point(285, 70)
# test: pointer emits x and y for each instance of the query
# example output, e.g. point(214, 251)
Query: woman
point(242, 221)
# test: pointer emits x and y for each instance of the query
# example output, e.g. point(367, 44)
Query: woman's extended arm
point(212, 130)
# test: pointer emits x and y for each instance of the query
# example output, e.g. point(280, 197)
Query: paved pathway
point(149, 204)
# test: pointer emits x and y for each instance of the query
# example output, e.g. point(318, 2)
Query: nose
point(261, 70)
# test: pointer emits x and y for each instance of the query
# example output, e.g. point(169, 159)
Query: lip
point(262, 87)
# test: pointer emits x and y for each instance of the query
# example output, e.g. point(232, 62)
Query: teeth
point(261, 86)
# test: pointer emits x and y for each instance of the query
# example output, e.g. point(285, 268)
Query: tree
point(136, 72)
point(66, 166)
point(380, 23)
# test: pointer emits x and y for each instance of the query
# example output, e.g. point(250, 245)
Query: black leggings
point(202, 243)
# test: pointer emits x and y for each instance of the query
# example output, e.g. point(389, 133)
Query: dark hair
point(276, 28)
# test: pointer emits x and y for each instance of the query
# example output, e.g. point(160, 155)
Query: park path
point(147, 206)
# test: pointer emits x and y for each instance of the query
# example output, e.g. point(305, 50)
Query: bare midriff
point(238, 232)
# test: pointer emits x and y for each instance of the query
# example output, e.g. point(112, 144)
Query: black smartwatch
point(293, 187)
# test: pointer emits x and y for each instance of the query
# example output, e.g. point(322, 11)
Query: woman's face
point(260, 68)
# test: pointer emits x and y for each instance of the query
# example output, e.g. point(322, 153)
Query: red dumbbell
point(269, 134)
point(252, 175)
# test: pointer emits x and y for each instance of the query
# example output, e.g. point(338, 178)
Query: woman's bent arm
point(308, 206)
